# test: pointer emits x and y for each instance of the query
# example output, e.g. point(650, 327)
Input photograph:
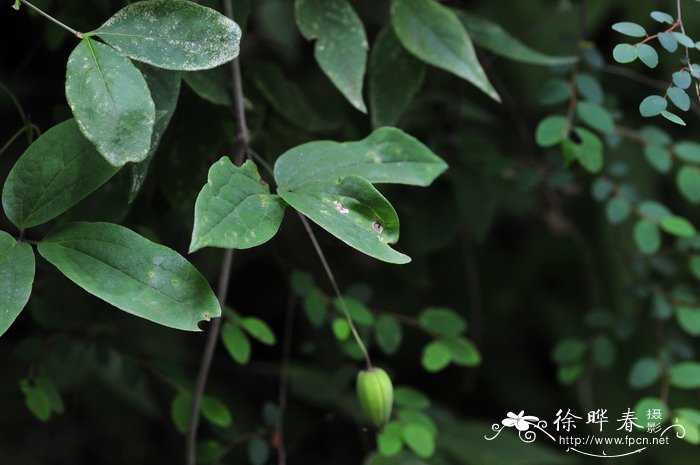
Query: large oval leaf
point(16, 277)
point(111, 102)
point(388, 155)
point(173, 34)
point(352, 210)
point(132, 273)
point(434, 34)
point(234, 210)
point(341, 43)
point(287, 98)
point(164, 86)
point(395, 77)
point(494, 38)
point(57, 171)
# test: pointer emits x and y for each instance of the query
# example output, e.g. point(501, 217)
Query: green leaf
point(604, 351)
point(588, 150)
point(258, 451)
point(287, 98)
point(647, 236)
point(356, 309)
point(259, 330)
point(625, 53)
point(677, 226)
point(387, 155)
point(659, 157)
point(595, 116)
point(645, 372)
point(494, 38)
point(629, 29)
point(464, 352)
point(691, 428)
point(673, 118)
point(164, 86)
point(315, 307)
point(16, 278)
point(647, 54)
point(679, 98)
point(48, 387)
point(682, 79)
point(180, 411)
point(661, 17)
point(172, 34)
point(389, 440)
point(132, 273)
point(689, 319)
point(36, 400)
point(654, 210)
point(234, 210)
point(419, 440)
point(683, 39)
point(388, 334)
point(216, 412)
point(111, 102)
point(301, 282)
point(694, 266)
point(555, 91)
point(688, 151)
point(569, 350)
point(419, 418)
point(395, 78)
point(688, 180)
point(436, 356)
point(667, 41)
point(341, 43)
point(652, 105)
point(602, 188)
point(211, 85)
point(618, 210)
point(642, 408)
point(589, 87)
point(341, 329)
point(352, 210)
point(443, 322)
point(434, 34)
point(208, 451)
point(686, 375)
point(551, 131)
point(236, 342)
point(57, 171)
point(410, 398)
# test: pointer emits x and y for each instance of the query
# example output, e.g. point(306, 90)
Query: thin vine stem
point(336, 289)
point(53, 20)
point(14, 137)
point(243, 136)
point(326, 267)
point(284, 380)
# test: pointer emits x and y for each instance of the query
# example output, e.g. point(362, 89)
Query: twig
point(53, 20)
point(635, 76)
point(243, 136)
point(12, 139)
point(331, 278)
point(473, 288)
point(205, 363)
point(284, 379)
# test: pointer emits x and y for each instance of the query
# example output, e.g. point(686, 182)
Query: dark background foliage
point(508, 237)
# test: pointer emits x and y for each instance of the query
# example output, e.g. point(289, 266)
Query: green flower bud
point(376, 395)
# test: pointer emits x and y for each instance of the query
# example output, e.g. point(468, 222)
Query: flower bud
point(376, 395)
